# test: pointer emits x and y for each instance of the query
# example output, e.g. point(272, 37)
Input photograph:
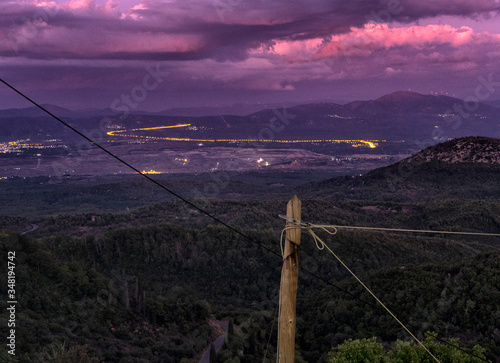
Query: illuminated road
point(371, 143)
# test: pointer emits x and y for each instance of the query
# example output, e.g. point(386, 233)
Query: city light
point(19, 146)
point(372, 144)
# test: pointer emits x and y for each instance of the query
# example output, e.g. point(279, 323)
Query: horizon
point(264, 105)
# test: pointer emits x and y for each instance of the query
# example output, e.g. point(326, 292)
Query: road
point(372, 144)
point(205, 358)
point(33, 227)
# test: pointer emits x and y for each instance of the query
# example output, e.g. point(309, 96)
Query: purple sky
point(154, 55)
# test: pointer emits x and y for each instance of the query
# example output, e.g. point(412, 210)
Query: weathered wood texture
point(288, 290)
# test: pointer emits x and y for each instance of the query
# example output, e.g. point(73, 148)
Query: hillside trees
point(369, 350)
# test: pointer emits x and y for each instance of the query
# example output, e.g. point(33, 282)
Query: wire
point(141, 173)
point(177, 195)
point(334, 227)
point(456, 347)
point(322, 245)
point(180, 197)
point(272, 328)
point(229, 226)
point(412, 230)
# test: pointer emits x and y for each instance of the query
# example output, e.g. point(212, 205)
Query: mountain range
point(398, 116)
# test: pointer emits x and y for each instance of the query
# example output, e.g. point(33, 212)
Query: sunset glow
point(93, 53)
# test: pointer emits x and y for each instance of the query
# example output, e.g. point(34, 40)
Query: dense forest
point(154, 280)
point(148, 293)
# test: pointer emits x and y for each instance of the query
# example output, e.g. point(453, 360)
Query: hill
point(494, 103)
point(434, 297)
point(148, 284)
point(454, 169)
point(34, 111)
point(150, 293)
point(464, 150)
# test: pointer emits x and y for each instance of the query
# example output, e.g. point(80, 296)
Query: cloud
point(378, 49)
point(364, 41)
point(217, 29)
point(391, 71)
point(229, 45)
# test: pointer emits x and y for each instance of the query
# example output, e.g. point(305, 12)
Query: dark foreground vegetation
point(147, 293)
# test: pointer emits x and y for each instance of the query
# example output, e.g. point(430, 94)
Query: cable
point(236, 230)
point(335, 227)
point(141, 173)
point(272, 328)
point(322, 245)
point(456, 347)
point(176, 195)
point(412, 230)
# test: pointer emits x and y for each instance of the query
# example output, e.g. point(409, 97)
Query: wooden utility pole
point(288, 289)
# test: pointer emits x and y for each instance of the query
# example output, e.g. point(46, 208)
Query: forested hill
point(150, 294)
point(463, 150)
point(464, 168)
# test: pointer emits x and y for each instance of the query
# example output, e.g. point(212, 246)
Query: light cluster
point(356, 143)
point(20, 146)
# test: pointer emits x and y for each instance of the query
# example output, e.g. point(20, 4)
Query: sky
point(155, 55)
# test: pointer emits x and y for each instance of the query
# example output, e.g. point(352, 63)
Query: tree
point(411, 352)
point(58, 353)
point(357, 351)
point(369, 350)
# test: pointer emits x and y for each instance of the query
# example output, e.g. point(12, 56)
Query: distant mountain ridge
point(34, 111)
point(494, 103)
point(400, 115)
point(239, 109)
point(395, 101)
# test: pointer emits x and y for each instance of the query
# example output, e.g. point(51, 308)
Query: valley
point(175, 157)
point(120, 270)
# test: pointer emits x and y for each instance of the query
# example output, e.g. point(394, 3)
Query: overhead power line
point(235, 230)
point(140, 172)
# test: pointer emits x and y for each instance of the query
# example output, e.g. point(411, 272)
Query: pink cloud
point(364, 41)
point(291, 50)
point(361, 43)
point(81, 4)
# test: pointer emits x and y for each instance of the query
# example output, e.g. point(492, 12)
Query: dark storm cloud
point(235, 46)
point(205, 30)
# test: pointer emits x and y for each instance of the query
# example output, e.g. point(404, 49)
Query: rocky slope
point(462, 150)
